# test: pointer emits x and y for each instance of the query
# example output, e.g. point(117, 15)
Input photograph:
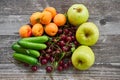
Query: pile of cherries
point(59, 51)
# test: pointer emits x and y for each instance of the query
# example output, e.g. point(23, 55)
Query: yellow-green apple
point(87, 34)
point(77, 14)
point(83, 58)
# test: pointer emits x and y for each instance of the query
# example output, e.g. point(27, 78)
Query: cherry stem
point(38, 64)
point(63, 54)
point(58, 48)
point(55, 64)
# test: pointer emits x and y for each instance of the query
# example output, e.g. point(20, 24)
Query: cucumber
point(30, 52)
point(18, 48)
point(39, 39)
point(34, 53)
point(25, 58)
point(30, 45)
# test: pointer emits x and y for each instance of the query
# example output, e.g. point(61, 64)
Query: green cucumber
point(39, 39)
point(30, 45)
point(34, 53)
point(25, 58)
point(19, 49)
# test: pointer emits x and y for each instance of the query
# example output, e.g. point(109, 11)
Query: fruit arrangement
point(57, 40)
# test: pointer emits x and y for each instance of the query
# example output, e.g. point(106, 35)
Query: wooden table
point(104, 13)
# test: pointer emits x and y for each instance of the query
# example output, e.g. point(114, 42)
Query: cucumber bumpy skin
point(30, 45)
point(34, 53)
point(30, 52)
point(25, 58)
point(18, 48)
point(39, 39)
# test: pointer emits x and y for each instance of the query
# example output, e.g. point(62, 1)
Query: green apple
point(77, 14)
point(83, 58)
point(87, 34)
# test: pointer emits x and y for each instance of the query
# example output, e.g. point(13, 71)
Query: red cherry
point(61, 63)
point(65, 66)
point(44, 61)
point(60, 68)
point(34, 68)
point(49, 69)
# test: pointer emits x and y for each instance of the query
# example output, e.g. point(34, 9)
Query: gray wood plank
point(11, 24)
point(96, 7)
point(95, 72)
point(106, 50)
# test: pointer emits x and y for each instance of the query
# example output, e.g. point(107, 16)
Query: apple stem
point(78, 9)
point(86, 34)
point(80, 62)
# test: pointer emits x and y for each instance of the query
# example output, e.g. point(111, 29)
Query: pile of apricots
point(47, 21)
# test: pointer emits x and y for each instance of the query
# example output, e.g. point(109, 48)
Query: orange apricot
point(37, 30)
point(46, 17)
point(59, 19)
point(52, 10)
point(51, 29)
point(35, 18)
point(25, 31)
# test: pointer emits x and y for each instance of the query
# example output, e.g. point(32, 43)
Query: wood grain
point(104, 13)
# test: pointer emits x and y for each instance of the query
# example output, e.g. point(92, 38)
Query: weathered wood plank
point(100, 8)
point(11, 24)
point(106, 50)
point(106, 64)
point(94, 72)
